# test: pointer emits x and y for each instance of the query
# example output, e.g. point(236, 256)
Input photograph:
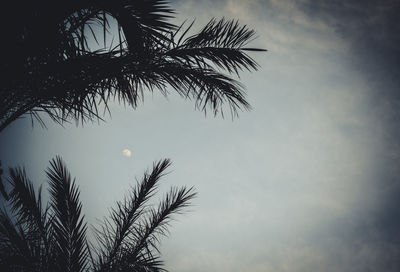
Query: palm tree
point(53, 237)
point(48, 65)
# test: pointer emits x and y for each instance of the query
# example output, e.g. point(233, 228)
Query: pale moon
point(126, 152)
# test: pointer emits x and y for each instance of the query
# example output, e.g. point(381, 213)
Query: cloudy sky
point(306, 181)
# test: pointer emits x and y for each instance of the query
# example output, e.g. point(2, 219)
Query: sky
point(308, 180)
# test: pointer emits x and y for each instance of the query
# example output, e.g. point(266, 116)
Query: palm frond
point(49, 66)
point(69, 227)
point(15, 250)
point(205, 85)
point(29, 212)
point(54, 239)
point(156, 224)
point(208, 88)
point(123, 218)
point(222, 33)
point(23, 199)
point(220, 43)
point(28, 236)
point(144, 262)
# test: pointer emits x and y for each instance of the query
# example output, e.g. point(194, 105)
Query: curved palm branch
point(54, 238)
point(115, 230)
point(29, 231)
point(68, 226)
point(49, 65)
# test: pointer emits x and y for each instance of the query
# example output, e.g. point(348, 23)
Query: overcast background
point(306, 181)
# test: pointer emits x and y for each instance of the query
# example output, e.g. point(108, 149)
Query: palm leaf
point(16, 250)
point(68, 225)
point(156, 224)
point(120, 227)
point(23, 199)
point(54, 239)
point(48, 66)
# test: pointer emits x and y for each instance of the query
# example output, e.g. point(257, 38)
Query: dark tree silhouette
point(47, 63)
point(53, 237)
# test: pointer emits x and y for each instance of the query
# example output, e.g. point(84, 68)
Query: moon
point(126, 153)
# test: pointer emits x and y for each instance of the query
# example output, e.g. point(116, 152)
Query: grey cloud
point(373, 29)
point(367, 236)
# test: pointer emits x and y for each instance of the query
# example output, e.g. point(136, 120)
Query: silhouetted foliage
point(47, 64)
point(53, 237)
